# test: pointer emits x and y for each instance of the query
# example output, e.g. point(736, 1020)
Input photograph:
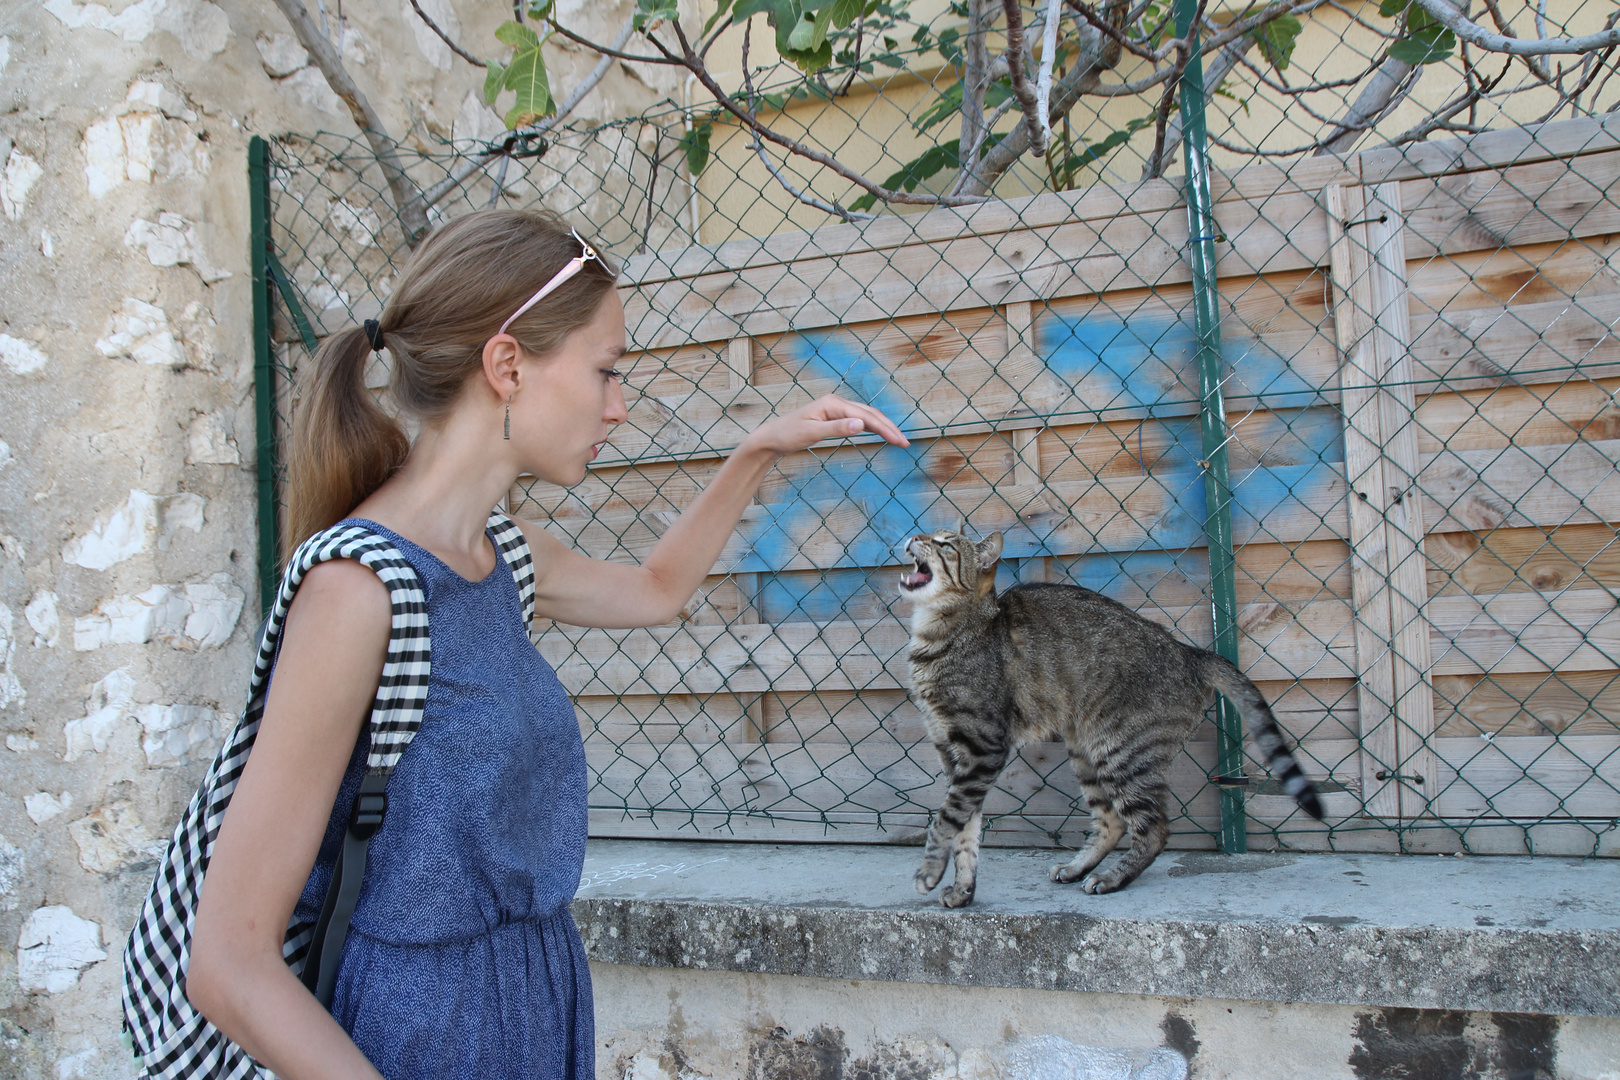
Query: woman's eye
point(614, 373)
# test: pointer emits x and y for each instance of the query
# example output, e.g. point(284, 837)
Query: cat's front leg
point(960, 894)
point(941, 841)
point(958, 823)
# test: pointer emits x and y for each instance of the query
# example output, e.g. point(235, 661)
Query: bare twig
point(1112, 32)
point(694, 63)
point(855, 61)
point(1155, 161)
point(1454, 19)
point(1043, 78)
point(1219, 68)
point(407, 196)
point(504, 144)
point(614, 50)
point(1081, 79)
point(1392, 81)
point(1021, 88)
point(770, 166)
point(499, 187)
point(1184, 56)
point(652, 187)
point(1497, 17)
point(807, 199)
point(1440, 119)
point(976, 79)
point(446, 38)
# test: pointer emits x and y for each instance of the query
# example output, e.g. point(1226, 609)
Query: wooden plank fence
point(1423, 349)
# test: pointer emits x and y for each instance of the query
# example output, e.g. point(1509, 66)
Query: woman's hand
point(830, 417)
point(572, 588)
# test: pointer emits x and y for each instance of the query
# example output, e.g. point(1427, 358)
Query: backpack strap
point(512, 546)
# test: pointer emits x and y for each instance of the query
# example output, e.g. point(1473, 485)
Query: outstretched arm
point(575, 589)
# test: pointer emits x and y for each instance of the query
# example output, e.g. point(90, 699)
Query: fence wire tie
point(1219, 238)
point(1383, 775)
point(1380, 219)
point(1229, 781)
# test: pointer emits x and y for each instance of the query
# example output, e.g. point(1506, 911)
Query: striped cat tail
point(1262, 725)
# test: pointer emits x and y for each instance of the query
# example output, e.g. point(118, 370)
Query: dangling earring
point(506, 429)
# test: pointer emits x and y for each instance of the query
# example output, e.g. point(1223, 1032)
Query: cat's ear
point(989, 550)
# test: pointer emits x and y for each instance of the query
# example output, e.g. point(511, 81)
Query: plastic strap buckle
point(370, 807)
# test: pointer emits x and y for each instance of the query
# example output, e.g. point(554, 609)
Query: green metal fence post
point(264, 383)
point(1212, 421)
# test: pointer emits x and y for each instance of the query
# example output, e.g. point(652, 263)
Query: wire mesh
point(1420, 367)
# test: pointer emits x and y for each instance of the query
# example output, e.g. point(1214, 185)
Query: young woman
point(461, 958)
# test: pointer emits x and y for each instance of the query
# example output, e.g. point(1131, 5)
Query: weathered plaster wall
point(672, 1024)
point(127, 500)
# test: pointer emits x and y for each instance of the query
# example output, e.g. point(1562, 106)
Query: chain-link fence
point(1360, 431)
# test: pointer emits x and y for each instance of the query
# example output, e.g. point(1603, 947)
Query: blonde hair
point(452, 296)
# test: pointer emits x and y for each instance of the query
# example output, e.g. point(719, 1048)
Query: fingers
point(860, 418)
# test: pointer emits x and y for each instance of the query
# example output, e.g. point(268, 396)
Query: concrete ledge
point(1432, 932)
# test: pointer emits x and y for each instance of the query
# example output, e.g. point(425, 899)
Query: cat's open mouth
point(916, 577)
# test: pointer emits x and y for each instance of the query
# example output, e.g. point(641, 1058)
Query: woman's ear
point(503, 366)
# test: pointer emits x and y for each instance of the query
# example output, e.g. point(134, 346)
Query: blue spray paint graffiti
point(885, 483)
point(1144, 365)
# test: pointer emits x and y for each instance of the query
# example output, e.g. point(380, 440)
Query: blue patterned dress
point(462, 959)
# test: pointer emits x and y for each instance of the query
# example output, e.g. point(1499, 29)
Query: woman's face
point(571, 399)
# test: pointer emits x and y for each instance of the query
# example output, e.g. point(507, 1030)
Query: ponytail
point(459, 286)
point(343, 445)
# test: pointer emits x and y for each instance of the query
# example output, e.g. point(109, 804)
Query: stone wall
point(127, 495)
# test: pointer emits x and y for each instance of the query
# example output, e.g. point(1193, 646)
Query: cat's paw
point(1098, 884)
point(957, 896)
point(927, 877)
point(1065, 873)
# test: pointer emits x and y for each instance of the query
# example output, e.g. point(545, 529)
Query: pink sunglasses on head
point(572, 267)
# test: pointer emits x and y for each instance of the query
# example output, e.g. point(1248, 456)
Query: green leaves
point(930, 163)
point(695, 145)
point(517, 35)
point(1426, 41)
point(801, 26)
point(494, 80)
point(651, 14)
point(525, 75)
point(1277, 39)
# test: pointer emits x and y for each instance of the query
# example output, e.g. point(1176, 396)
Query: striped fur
point(993, 671)
point(171, 1039)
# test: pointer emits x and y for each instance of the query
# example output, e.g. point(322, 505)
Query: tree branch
point(1080, 79)
point(1454, 19)
point(694, 63)
point(1034, 122)
point(1043, 77)
point(613, 50)
point(976, 78)
point(407, 196)
point(1392, 81)
point(1219, 68)
point(444, 37)
point(504, 145)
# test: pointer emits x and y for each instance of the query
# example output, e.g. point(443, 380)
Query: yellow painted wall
point(869, 130)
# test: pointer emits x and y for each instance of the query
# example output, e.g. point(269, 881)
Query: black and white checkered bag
point(171, 1040)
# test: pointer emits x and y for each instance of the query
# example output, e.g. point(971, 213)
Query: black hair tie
point(374, 334)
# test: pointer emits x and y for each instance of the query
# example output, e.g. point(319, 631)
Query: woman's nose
point(617, 412)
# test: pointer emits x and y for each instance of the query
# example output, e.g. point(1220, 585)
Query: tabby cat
point(992, 671)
